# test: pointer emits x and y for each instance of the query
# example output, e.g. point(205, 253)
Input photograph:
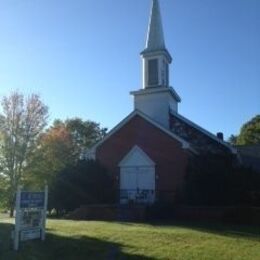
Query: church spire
point(157, 97)
point(155, 37)
point(156, 58)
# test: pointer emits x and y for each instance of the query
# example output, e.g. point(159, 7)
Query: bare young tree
point(21, 122)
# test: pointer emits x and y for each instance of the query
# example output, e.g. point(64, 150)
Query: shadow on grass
point(217, 228)
point(60, 247)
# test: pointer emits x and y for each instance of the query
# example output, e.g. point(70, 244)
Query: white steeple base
point(156, 103)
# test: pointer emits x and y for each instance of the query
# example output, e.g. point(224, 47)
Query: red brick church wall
point(167, 153)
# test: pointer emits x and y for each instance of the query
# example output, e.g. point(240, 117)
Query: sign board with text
point(32, 199)
point(30, 218)
point(30, 234)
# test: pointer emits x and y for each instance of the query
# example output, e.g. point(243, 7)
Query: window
point(153, 72)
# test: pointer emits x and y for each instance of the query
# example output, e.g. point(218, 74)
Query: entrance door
point(137, 177)
point(137, 184)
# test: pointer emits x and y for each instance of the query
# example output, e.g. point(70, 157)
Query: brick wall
point(167, 153)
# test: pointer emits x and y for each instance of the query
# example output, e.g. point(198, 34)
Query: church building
point(148, 152)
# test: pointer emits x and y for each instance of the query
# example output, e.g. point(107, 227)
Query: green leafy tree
point(232, 139)
point(250, 132)
point(3, 192)
point(21, 122)
point(84, 134)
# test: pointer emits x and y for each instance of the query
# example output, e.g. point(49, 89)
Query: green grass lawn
point(107, 240)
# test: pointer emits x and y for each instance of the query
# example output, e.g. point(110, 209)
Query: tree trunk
point(11, 215)
point(12, 204)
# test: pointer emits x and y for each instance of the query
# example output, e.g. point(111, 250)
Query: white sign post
point(44, 213)
point(30, 216)
point(17, 219)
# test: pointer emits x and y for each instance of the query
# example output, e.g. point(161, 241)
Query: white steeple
point(156, 97)
point(155, 37)
point(156, 58)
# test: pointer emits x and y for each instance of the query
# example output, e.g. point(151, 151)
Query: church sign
point(30, 218)
point(32, 200)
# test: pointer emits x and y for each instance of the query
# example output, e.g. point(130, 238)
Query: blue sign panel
point(32, 199)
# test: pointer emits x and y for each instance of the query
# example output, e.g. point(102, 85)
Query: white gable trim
point(204, 131)
point(90, 154)
point(136, 150)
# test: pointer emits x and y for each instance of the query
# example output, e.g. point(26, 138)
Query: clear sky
point(82, 56)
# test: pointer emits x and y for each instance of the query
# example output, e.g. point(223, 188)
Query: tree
point(232, 139)
point(215, 180)
point(84, 134)
point(86, 182)
point(3, 192)
point(21, 122)
point(207, 180)
point(61, 146)
point(55, 151)
point(250, 132)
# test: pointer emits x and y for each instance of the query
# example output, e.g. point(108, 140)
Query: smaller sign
point(30, 234)
point(31, 219)
point(32, 200)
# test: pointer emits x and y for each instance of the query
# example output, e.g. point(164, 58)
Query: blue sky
point(82, 56)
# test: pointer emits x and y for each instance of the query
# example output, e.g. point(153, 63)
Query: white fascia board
point(204, 131)
point(185, 144)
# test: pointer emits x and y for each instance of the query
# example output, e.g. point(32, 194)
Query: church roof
point(193, 141)
point(194, 133)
